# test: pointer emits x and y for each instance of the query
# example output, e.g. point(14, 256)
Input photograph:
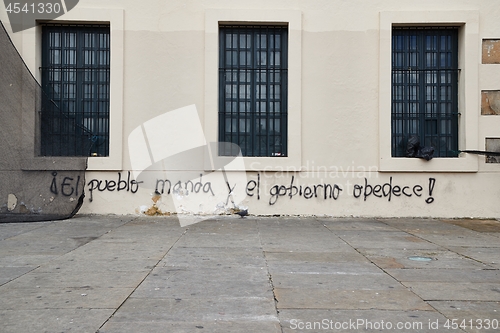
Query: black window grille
point(75, 90)
point(253, 63)
point(425, 89)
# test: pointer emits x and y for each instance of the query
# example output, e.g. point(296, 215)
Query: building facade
point(317, 107)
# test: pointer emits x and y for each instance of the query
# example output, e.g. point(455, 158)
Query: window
point(75, 83)
point(253, 62)
point(425, 89)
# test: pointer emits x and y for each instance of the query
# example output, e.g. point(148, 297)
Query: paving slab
point(53, 320)
point(123, 250)
point(446, 275)
point(460, 238)
point(300, 241)
point(443, 259)
point(487, 255)
point(54, 238)
point(77, 265)
point(362, 239)
point(289, 222)
point(62, 298)
point(423, 224)
point(207, 289)
point(10, 273)
point(227, 309)
point(284, 225)
point(354, 281)
point(144, 227)
point(226, 225)
point(81, 228)
point(79, 280)
point(371, 320)
point(349, 299)
point(474, 317)
point(8, 230)
point(339, 224)
point(463, 291)
point(205, 283)
point(211, 239)
point(215, 257)
point(30, 243)
point(441, 233)
point(350, 255)
point(332, 268)
point(21, 260)
point(479, 225)
point(110, 221)
point(193, 327)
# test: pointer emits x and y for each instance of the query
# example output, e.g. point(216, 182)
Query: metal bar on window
point(252, 109)
point(75, 90)
point(424, 89)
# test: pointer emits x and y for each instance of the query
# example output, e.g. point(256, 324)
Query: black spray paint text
point(387, 190)
point(67, 187)
point(189, 186)
point(365, 190)
point(121, 184)
point(326, 191)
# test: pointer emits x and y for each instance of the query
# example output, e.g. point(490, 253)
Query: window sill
point(467, 163)
point(54, 164)
point(271, 164)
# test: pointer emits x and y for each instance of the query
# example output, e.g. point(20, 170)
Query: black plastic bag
point(413, 146)
point(426, 153)
point(413, 149)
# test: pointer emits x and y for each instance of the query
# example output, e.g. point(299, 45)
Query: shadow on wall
point(32, 187)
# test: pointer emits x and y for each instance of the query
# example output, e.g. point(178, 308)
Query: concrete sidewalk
point(253, 275)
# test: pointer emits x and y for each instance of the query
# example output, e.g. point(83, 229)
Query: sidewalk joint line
point(145, 277)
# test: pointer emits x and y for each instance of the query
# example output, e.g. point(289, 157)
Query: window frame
point(75, 74)
point(468, 90)
point(253, 72)
point(31, 46)
point(410, 89)
point(293, 18)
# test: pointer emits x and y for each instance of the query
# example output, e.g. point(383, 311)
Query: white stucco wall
point(164, 57)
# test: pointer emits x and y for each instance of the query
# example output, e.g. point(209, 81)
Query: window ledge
point(260, 164)
point(467, 163)
point(54, 163)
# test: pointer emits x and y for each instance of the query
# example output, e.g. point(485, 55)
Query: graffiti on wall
point(326, 191)
point(65, 186)
point(364, 190)
point(119, 184)
point(165, 186)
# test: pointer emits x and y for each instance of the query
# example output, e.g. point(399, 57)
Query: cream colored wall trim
point(213, 18)
point(469, 103)
point(31, 50)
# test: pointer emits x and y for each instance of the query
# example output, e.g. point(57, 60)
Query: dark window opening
point(425, 89)
point(75, 90)
point(253, 76)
